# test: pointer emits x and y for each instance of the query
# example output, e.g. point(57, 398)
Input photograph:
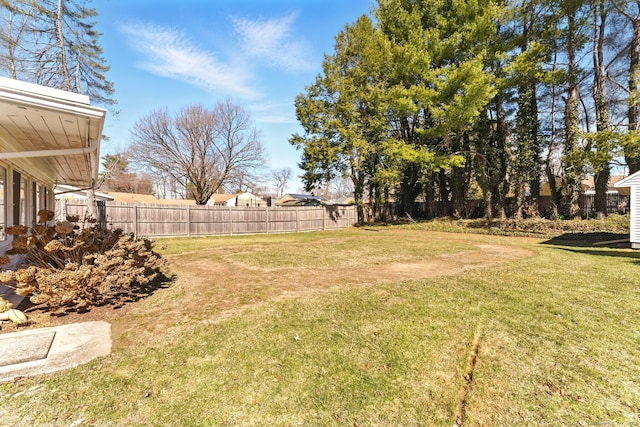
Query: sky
point(257, 53)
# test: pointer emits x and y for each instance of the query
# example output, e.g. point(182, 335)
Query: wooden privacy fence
point(156, 220)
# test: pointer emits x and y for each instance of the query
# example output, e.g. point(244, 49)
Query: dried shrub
point(65, 265)
point(5, 305)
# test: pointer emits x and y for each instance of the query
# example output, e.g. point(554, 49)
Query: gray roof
point(305, 197)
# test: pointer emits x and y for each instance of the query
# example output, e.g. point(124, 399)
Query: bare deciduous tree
point(280, 178)
point(116, 176)
point(201, 149)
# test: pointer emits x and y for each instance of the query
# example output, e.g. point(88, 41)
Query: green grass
point(559, 343)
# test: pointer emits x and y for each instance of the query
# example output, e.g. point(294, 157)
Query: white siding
point(630, 181)
point(634, 229)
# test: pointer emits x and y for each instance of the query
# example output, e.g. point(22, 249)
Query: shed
point(633, 182)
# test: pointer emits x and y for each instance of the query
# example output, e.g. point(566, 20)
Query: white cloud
point(273, 113)
point(272, 40)
point(168, 52)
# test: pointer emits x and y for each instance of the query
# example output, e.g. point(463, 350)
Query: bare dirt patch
point(209, 288)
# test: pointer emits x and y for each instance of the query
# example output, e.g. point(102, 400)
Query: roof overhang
point(51, 134)
point(630, 181)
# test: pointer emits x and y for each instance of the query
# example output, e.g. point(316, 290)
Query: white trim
point(30, 100)
point(48, 153)
point(630, 181)
point(42, 91)
point(34, 99)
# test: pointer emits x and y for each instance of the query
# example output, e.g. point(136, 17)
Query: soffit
point(51, 134)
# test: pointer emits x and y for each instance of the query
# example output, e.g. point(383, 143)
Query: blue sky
point(259, 54)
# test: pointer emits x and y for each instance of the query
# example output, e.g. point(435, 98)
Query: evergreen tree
point(603, 142)
point(527, 71)
point(342, 113)
point(630, 10)
point(572, 155)
point(440, 86)
point(54, 43)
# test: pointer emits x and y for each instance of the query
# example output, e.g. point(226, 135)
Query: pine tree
point(54, 43)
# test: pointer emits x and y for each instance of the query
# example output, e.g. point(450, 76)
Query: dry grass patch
point(220, 280)
point(253, 333)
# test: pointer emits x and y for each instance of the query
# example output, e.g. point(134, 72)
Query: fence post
point(297, 219)
point(267, 213)
point(102, 213)
point(324, 218)
point(230, 220)
point(135, 220)
point(188, 221)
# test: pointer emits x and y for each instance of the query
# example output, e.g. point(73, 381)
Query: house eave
point(53, 133)
point(631, 180)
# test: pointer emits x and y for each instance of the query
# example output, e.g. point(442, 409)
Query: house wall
point(633, 183)
point(21, 197)
point(634, 225)
point(249, 200)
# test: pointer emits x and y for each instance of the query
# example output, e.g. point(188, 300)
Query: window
point(19, 199)
point(35, 199)
point(38, 198)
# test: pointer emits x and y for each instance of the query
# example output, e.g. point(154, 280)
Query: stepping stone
point(40, 351)
point(28, 347)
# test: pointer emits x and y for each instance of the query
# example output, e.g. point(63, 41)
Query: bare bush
point(66, 266)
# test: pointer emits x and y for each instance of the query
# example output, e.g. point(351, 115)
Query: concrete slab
point(21, 348)
point(21, 353)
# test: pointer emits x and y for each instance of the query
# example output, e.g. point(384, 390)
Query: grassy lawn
point(370, 326)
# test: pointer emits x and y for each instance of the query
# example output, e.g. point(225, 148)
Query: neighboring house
point(70, 192)
point(134, 197)
point(65, 193)
point(47, 137)
point(291, 199)
point(180, 202)
point(633, 182)
point(238, 200)
point(222, 200)
point(345, 201)
point(587, 186)
point(147, 199)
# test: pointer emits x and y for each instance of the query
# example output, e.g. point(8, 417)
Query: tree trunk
point(92, 207)
point(358, 196)
point(500, 180)
point(631, 156)
point(601, 166)
point(572, 170)
point(61, 44)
